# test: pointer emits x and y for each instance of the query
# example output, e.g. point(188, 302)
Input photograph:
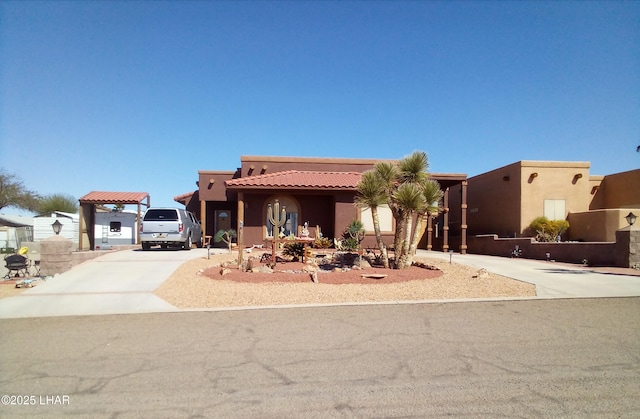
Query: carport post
point(240, 227)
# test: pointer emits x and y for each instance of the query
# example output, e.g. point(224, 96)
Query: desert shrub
point(353, 236)
point(546, 230)
point(225, 236)
point(322, 243)
point(350, 244)
point(295, 250)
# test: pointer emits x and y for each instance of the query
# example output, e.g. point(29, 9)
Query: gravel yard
point(8, 289)
point(199, 284)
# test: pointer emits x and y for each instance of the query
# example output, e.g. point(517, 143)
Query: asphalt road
point(537, 358)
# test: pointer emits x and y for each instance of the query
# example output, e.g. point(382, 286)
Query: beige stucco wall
point(598, 225)
point(493, 201)
point(504, 201)
point(619, 190)
point(568, 181)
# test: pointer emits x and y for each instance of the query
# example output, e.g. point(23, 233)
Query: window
point(555, 209)
point(384, 215)
point(161, 215)
point(115, 226)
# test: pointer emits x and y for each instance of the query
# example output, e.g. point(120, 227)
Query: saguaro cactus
point(277, 217)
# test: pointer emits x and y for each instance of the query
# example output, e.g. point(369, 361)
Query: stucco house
point(318, 191)
point(504, 201)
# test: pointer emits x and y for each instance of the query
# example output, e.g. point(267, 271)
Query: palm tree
point(408, 197)
point(409, 194)
point(431, 193)
point(411, 171)
point(372, 194)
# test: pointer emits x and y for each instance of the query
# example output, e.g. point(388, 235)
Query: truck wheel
point(146, 246)
point(187, 244)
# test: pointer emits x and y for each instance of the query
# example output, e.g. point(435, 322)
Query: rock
point(262, 269)
point(225, 271)
point(249, 265)
point(482, 273)
point(314, 276)
point(310, 268)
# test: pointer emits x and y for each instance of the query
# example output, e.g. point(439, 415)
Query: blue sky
point(139, 96)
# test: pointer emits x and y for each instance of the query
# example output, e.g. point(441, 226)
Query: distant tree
point(57, 202)
point(14, 194)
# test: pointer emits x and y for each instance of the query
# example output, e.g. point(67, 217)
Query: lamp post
point(57, 226)
point(631, 218)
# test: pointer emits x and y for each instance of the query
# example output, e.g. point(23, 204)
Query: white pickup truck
point(170, 227)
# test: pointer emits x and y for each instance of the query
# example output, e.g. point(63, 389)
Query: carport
point(88, 203)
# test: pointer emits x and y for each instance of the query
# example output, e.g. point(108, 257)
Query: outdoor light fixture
point(57, 226)
point(631, 218)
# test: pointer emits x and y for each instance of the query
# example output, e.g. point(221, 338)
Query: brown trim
point(283, 159)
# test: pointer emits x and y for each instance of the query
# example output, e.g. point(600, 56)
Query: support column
point(139, 221)
point(203, 218)
point(240, 227)
point(445, 222)
point(82, 227)
point(463, 223)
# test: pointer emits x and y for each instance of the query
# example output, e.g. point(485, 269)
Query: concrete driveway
point(123, 282)
point(555, 280)
point(115, 283)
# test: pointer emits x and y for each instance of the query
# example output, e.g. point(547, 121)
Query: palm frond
point(431, 193)
point(413, 167)
point(409, 197)
point(371, 191)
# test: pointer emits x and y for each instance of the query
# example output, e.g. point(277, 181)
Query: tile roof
point(298, 179)
point(98, 197)
point(183, 197)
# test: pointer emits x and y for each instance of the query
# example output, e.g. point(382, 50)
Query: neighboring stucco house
point(504, 201)
point(319, 191)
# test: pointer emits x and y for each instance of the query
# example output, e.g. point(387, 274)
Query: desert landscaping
point(217, 282)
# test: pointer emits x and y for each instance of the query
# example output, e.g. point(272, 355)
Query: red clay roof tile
point(98, 197)
point(299, 179)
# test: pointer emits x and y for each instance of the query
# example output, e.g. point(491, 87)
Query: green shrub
point(295, 250)
point(353, 236)
point(350, 244)
point(546, 230)
point(322, 243)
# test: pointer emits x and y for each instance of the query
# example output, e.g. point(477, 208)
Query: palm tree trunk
point(421, 226)
point(398, 242)
point(376, 227)
point(404, 254)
